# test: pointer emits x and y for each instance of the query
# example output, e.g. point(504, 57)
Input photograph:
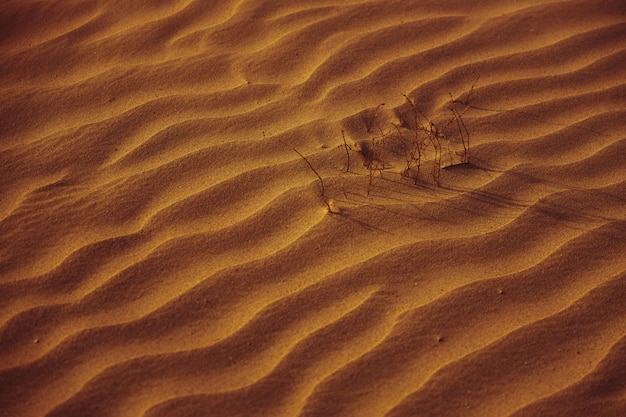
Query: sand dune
point(185, 232)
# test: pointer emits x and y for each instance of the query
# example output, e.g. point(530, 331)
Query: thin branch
point(312, 169)
point(345, 144)
point(461, 126)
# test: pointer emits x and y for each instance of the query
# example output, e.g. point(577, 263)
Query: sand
point(207, 210)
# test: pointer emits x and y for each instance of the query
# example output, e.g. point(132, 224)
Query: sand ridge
point(184, 230)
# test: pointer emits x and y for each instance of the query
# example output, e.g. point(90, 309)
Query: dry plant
point(421, 139)
point(425, 135)
point(348, 148)
point(330, 203)
point(312, 169)
point(463, 133)
point(414, 150)
point(373, 156)
point(372, 153)
point(331, 206)
point(457, 117)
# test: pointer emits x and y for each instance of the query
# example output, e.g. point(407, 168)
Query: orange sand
point(165, 252)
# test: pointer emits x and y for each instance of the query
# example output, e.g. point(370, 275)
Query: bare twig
point(468, 98)
point(312, 169)
point(347, 147)
point(435, 137)
point(457, 117)
point(464, 133)
point(323, 190)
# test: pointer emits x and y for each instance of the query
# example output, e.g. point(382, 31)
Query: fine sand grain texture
point(207, 210)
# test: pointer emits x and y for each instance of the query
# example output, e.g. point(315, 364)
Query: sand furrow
point(471, 319)
point(494, 293)
point(106, 302)
point(119, 207)
point(506, 377)
point(284, 375)
point(602, 389)
point(248, 341)
point(130, 272)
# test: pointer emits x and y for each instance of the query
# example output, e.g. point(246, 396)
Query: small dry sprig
point(425, 134)
point(312, 169)
point(375, 156)
point(348, 149)
point(414, 151)
point(457, 116)
point(330, 203)
point(463, 133)
point(435, 136)
point(331, 206)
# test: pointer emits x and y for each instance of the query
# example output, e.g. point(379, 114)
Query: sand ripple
point(165, 252)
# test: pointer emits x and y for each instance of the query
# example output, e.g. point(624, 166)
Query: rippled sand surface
point(205, 208)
